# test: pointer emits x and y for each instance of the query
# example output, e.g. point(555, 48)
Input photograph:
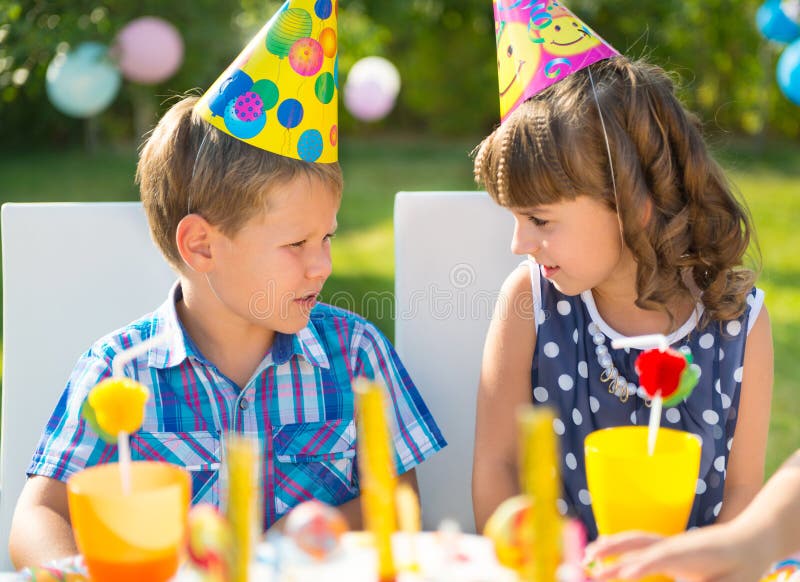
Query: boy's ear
point(193, 238)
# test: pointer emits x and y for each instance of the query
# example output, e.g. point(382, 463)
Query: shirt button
point(244, 404)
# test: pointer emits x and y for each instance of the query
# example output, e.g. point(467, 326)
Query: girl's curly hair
point(677, 211)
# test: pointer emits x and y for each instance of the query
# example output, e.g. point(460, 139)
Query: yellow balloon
point(327, 38)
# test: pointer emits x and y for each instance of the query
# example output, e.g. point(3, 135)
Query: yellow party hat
point(281, 93)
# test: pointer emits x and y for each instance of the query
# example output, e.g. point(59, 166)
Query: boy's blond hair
point(187, 166)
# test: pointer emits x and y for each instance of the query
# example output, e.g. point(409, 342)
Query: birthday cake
point(429, 556)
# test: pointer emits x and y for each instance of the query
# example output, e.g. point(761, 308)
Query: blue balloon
point(774, 24)
point(239, 82)
point(243, 129)
point(290, 113)
point(788, 72)
point(82, 82)
point(323, 8)
point(310, 145)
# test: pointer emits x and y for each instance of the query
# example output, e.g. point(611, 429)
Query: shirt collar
point(178, 345)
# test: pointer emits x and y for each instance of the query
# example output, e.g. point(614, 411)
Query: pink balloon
point(150, 50)
point(371, 88)
point(368, 101)
point(305, 56)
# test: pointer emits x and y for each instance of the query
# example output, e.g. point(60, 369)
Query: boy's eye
point(329, 236)
point(298, 244)
point(537, 221)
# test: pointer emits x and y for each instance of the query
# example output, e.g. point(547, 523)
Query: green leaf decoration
point(88, 414)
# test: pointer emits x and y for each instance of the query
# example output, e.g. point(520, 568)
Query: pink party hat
point(539, 42)
point(281, 94)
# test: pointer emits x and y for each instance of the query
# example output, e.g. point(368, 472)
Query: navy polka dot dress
point(566, 375)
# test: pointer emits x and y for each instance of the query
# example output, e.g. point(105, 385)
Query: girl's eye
point(298, 244)
point(328, 237)
point(537, 221)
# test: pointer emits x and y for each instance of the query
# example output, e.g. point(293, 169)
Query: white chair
point(452, 253)
point(71, 273)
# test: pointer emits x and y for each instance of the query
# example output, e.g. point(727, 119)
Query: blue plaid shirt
point(299, 403)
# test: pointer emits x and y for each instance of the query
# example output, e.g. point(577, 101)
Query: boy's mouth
point(307, 301)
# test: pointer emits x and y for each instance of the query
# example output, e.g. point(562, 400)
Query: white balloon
point(371, 90)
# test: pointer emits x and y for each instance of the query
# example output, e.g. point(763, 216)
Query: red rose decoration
point(660, 371)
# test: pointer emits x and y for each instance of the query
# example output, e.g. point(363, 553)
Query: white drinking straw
point(646, 342)
point(117, 367)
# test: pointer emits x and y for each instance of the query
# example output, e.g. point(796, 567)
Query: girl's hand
point(713, 553)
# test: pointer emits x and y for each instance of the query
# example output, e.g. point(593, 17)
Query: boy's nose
point(321, 266)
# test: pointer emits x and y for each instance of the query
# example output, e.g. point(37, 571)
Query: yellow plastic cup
point(133, 537)
point(632, 490)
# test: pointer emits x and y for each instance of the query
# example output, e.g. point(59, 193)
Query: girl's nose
point(525, 240)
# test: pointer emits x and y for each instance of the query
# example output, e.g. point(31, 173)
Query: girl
point(630, 228)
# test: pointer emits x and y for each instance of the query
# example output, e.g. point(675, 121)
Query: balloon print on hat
point(371, 88)
point(305, 56)
point(323, 8)
point(82, 82)
point(150, 50)
point(290, 26)
point(327, 39)
point(281, 93)
point(788, 72)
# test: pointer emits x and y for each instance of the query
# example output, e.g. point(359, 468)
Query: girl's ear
point(647, 212)
point(193, 238)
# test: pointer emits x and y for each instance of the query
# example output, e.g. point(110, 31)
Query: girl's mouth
point(549, 271)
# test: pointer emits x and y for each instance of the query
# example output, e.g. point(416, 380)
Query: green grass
point(768, 177)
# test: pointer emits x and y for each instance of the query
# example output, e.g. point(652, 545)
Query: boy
point(248, 231)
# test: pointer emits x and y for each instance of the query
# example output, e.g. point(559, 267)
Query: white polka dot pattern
point(571, 461)
point(566, 375)
point(594, 404)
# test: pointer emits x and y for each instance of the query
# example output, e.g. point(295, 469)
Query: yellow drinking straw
point(376, 473)
point(410, 521)
point(539, 480)
point(242, 459)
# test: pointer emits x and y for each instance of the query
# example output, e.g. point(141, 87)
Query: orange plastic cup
point(632, 490)
point(133, 537)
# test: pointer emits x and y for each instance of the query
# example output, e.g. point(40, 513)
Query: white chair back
point(452, 253)
point(71, 273)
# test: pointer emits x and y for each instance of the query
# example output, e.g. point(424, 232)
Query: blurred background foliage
point(726, 69)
